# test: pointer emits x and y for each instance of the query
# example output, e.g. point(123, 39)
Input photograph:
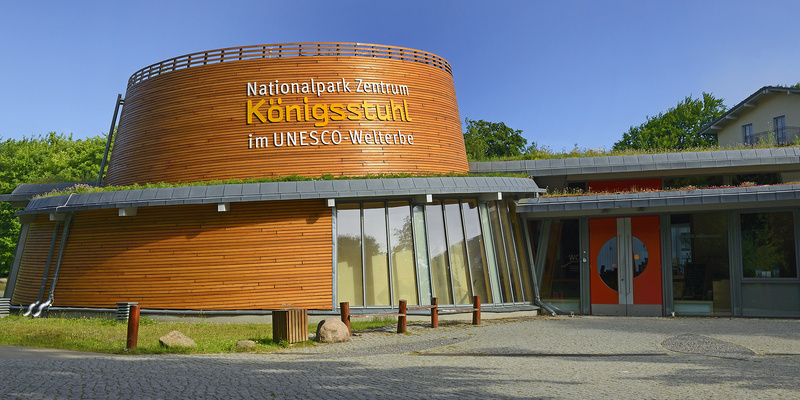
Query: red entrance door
point(625, 258)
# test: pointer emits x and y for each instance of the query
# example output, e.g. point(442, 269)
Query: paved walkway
point(538, 357)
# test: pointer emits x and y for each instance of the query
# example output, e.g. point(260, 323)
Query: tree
point(677, 128)
point(485, 140)
point(41, 159)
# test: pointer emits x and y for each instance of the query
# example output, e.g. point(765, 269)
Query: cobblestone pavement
point(536, 357)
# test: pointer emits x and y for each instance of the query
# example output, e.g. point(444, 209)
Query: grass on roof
point(546, 153)
point(84, 188)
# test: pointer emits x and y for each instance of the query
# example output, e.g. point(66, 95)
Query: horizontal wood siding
point(34, 259)
point(191, 124)
point(261, 255)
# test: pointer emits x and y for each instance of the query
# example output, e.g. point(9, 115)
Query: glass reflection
point(423, 268)
point(477, 260)
point(388, 251)
point(437, 246)
point(640, 257)
point(700, 266)
point(401, 241)
point(500, 253)
point(376, 258)
point(768, 249)
point(458, 253)
point(607, 264)
point(348, 254)
point(561, 268)
point(511, 251)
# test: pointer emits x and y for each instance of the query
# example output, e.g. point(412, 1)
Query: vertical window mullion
point(796, 241)
point(468, 261)
point(513, 235)
point(389, 254)
point(489, 250)
point(415, 224)
point(449, 251)
point(510, 277)
point(428, 250)
point(414, 250)
point(530, 255)
point(335, 260)
point(363, 259)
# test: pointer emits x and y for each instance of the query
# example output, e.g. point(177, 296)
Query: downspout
point(62, 247)
point(46, 271)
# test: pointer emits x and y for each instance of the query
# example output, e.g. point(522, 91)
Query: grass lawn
point(109, 336)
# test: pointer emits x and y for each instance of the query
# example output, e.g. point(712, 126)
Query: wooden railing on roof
point(287, 50)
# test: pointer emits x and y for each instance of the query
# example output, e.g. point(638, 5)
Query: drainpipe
point(61, 249)
point(46, 271)
point(536, 299)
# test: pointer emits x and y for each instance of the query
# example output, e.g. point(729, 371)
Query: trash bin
point(290, 325)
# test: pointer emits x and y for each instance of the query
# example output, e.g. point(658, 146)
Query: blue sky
point(563, 72)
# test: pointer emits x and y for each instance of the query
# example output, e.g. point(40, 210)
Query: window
point(747, 134)
point(769, 178)
point(700, 267)
point(560, 272)
point(779, 126)
point(393, 250)
point(695, 181)
point(768, 245)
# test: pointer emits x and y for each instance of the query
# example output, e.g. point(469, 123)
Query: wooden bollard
point(133, 327)
point(401, 320)
point(345, 308)
point(476, 314)
point(435, 312)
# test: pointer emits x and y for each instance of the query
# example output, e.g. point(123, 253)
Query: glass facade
point(700, 264)
point(559, 267)
point(769, 285)
point(721, 263)
point(401, 244)
point(768, 245)
point(452, 249)
point(349, 255)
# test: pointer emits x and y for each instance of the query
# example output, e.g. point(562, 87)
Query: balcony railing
point(287, 50)
point(784, 135)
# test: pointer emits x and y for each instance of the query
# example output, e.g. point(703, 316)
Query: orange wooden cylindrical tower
point(307, 109)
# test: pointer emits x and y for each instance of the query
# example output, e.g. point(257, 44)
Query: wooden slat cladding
point(34, 260)
point(191, 124)
point(260, 255)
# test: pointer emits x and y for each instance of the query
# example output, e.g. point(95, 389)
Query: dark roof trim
point(679, 200)
point(666, 163)
point(748, 103)
point(23, 193)
point(272, 191)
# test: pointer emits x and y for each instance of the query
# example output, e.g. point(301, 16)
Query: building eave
point(750, 102)
point(714, 199)
point(779, 159)
point(351, 189)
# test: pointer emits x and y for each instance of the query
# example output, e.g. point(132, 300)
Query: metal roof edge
point(384, 187)
point(675, 161)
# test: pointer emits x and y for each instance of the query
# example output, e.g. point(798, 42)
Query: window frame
point(747, 134)
point(780, 132)
point(738, 232)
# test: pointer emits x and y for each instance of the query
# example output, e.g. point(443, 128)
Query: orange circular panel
point(276, 110)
